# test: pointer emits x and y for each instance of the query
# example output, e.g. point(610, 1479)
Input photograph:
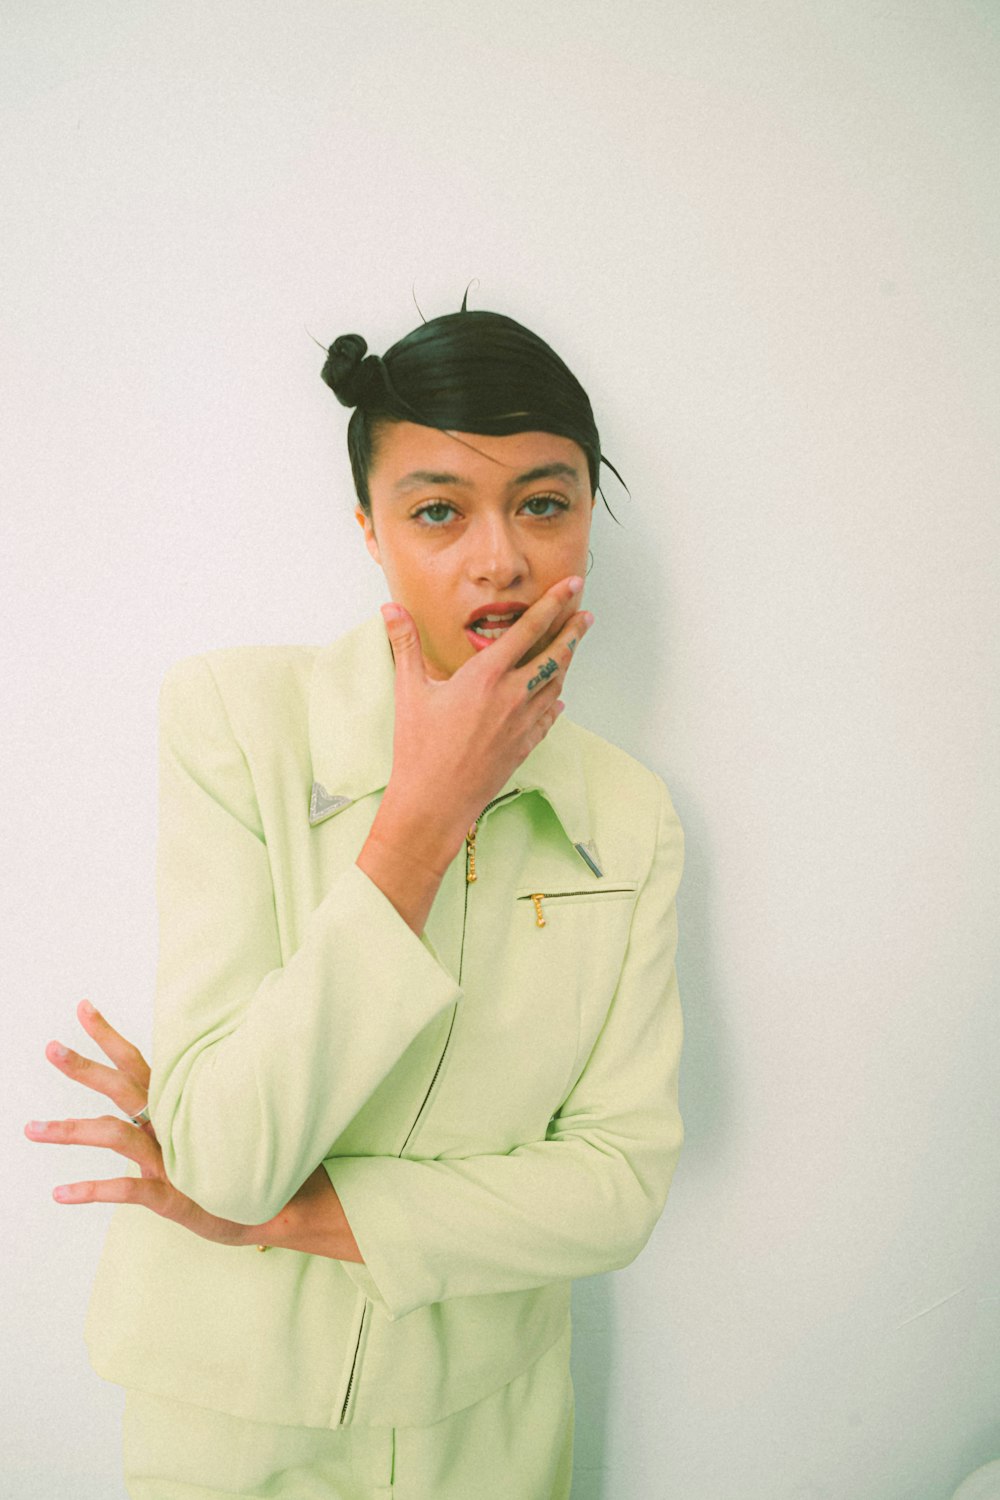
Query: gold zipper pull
point(470, 854)
point(539, 919)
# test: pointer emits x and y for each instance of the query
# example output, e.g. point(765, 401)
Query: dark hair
point(469, 371)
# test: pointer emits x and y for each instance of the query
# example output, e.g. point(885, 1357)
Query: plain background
point(764, 236)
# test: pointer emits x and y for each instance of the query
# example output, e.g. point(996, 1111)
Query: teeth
point(482, 626)
point(509, 617)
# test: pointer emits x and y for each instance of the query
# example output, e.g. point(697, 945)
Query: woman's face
point(455, 529)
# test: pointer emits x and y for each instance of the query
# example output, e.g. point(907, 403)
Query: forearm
point(313, 1221)
point(406, 856)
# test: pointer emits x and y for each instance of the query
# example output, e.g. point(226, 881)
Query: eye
point(432, 510)
point(425, 510)
point(546, 500)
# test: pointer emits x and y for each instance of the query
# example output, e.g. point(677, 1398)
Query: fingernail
point(38, 1126)
point(58, 1050)
point(61, 1193)
point(587, 618)
point(575, 584)
point(87, 1008)
point(391, 612)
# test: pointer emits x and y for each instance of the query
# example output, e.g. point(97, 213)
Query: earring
point(591, 556)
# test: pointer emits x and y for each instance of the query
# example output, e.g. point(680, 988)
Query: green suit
point(495, 1101)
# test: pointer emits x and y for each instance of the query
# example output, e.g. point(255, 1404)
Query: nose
point(496, 552)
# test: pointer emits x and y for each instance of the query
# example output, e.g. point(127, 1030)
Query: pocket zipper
point(539, 896)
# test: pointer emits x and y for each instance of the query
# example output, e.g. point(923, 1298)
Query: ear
point(371, 542)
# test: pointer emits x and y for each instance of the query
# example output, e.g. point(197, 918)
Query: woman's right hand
point(127, 1086)
point(456, 742)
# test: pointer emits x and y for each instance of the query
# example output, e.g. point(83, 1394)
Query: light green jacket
point(495, 1101)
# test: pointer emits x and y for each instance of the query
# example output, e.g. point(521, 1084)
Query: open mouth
point(492, 626)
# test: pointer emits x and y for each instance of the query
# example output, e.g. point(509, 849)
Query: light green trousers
point(517, 1442)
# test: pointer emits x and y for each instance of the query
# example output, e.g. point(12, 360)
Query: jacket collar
point(351, 720)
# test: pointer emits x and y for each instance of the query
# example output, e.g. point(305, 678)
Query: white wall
point(764, 236)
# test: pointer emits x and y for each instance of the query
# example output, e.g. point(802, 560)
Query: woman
point(417, 1030)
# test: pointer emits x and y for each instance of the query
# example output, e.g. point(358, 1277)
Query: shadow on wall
point(981, 1484)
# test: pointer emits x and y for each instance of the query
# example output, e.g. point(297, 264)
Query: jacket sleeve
point(582, 1201)
point(258, 1064)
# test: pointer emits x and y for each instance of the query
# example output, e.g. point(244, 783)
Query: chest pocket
point(535, 999)
point(546, 904)
point(576, 935)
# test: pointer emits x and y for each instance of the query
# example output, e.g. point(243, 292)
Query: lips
point(504, 611)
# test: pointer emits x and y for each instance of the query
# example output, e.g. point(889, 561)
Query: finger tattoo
point(544, 673)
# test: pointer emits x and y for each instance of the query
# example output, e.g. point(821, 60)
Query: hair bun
point(350, 376)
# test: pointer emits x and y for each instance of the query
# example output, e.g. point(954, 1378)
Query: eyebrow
point(544, 471)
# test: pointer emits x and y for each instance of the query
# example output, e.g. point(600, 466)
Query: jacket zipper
point(470, 843)
point(470, 855)
point(354, 1363)
point(539, 896)
point(470, 839)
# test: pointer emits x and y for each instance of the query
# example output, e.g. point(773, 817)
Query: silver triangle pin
point(322, 805)
point(589, 852)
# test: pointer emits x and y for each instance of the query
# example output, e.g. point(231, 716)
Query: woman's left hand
point(126, 1085)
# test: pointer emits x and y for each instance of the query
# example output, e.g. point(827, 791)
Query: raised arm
point(258, 1064)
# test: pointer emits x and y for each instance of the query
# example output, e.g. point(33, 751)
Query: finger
point(103, 1130)
point(549, 667)
point(404, 639)
point(122, 1053)
point(116, 1086)
point(545, 722)
point(551, 714)
point(541, 672)
point(523, 636)
point(148, 1191)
